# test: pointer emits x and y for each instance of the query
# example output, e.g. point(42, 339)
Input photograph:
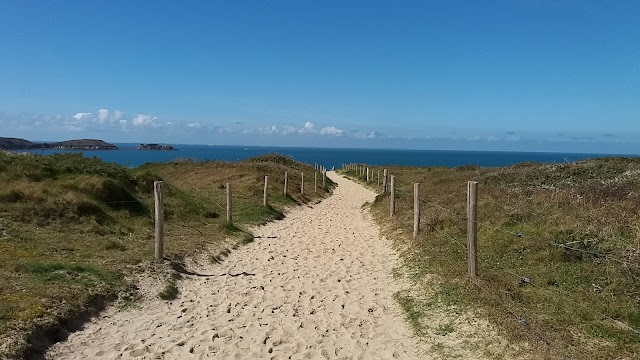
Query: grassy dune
point(73, 230)
point(559, 252)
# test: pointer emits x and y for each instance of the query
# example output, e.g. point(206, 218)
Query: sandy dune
point(321, 289)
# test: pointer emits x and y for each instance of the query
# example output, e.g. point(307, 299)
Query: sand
point(322, 288)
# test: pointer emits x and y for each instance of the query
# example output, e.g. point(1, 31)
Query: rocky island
point(82, 144)
point(156, 147)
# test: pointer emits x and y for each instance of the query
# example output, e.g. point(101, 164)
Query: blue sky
point(542, 75)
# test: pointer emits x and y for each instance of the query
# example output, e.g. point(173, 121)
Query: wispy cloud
point(113, 121)
point(143, 119)
point(103, 116)
point(331, 130)
point(364, 135)
point(307, 129)
point(82, 116)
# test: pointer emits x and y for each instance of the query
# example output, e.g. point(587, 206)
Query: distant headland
point(81, 144)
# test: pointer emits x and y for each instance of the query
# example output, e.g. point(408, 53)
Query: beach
point(317, 284)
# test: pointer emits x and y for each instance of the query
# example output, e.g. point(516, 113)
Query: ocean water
point(332, 157)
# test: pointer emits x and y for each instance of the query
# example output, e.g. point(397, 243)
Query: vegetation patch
point(73, 228)
point(558, 251)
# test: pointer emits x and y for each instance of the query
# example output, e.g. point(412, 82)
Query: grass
point(170, 291)
point(444, 329)
point(72, 229)
point(559, 251)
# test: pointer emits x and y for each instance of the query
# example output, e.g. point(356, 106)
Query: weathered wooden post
point(367, 175)
point(392, 199)
point(378, 177)
point(416, 209)
point(472, 227)
point(315, 181)
point(286, 178)
point(229, 217)
point(266, 187)
point(324, 179)
point(301, 183)
point(159, 229)
point(385, 184)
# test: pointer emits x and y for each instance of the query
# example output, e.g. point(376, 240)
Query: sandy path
point(322, 289)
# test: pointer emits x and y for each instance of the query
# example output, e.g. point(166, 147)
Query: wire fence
point(307, 186)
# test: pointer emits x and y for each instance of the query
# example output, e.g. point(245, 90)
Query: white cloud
point(308, 128)
point(82, 116)
point(288, 129)
point(103, 116)
point(194, 125)
point(143, 119)
point(118, 115)
point(331, 130)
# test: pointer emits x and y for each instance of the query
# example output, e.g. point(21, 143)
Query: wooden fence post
point(286, 178)
point(385, 184)
point(416, 209)
point(315, 181)
point(392, 199)
point(367, 175)
point(472, 228)
point(301, 183)
point(159, 202)
point(378, 177)
point(324, 179)
point(266, 188)
point(229, 217)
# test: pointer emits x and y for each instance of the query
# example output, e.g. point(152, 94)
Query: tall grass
point(559, 250)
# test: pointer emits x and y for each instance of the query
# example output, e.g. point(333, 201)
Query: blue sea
point(332, 157)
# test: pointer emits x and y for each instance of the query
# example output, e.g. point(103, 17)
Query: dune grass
point(559, 251)
point(72, 229)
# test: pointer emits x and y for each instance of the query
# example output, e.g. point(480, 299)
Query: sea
point(330, 157)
